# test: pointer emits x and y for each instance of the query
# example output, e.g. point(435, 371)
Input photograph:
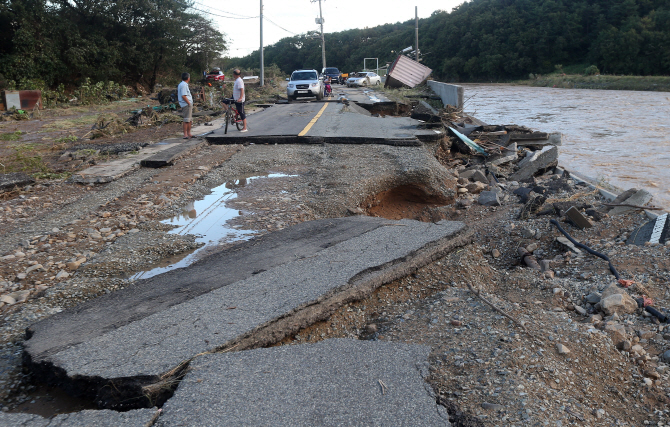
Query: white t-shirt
point(237, 89)
point(182, 90)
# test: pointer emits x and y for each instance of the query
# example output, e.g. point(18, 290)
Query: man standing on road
point(238, 96)
point(186, 104)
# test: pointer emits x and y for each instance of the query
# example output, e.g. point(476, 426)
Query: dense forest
point(50, 42)
point(502, 39)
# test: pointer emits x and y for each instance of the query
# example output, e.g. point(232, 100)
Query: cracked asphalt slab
point(89, 418)
point(258, 310)
point(340, 382)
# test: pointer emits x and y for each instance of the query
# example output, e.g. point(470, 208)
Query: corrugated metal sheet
point(405, 71)
point(23, 99)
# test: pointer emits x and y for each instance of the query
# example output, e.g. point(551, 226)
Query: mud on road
point(89, 239)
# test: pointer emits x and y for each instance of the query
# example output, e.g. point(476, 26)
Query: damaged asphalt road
point(392, 284)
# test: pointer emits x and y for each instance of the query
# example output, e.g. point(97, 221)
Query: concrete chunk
point(251, 296)
point(88, 418)
point(537, 163)
point(578, 218)
point(334, 382)
point(169, 156)
point(488, 198)
point(640, 198)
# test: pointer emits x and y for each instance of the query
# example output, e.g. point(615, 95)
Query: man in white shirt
point(186, 104)
point(238, 96)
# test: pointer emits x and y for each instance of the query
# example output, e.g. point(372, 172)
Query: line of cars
point(309, 83)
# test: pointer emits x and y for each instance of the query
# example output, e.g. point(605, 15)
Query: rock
point(20, 296)
point(495, 253)
point(592, 298)
point(666, 356)
point(637, 349)
point(612, 289)
point(624, 345)
point(577, 218)
point(599, 413)
point(562, 349)
point(371, 328)
point(476, 187)
point(545, 265)
point(617, 332)
point(568, 244)
point(73, 265)
point(9, 181)
point(647, 382)
point(33, 268)
point(580, 310)
point(651, 374)
point(460, 191)
point(21, 276)
point(8, 257)
point(527, 233)
point(105, 230)
point(493, 406)
point(7, 300)
point(456, 322)
point(62, 275)
point(489, 198)
point(479, 176)
point(646, 335)
point(469, 173)
point(618, 303)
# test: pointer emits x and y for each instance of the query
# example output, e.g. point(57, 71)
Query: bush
point(591, 70)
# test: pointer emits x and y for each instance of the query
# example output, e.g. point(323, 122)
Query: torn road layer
point(126, 348)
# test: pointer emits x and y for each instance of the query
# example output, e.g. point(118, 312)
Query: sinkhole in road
point(208, 219)
point(383, 109)
point(411, 201)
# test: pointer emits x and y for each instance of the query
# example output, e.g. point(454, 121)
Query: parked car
point(334, 74)
point(364, 78)
point(304, 83)
point(216, 75)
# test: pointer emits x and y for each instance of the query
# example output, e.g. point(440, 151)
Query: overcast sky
point(297, 16)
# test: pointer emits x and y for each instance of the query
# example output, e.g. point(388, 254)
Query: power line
point(277, 25)
point(225, 11)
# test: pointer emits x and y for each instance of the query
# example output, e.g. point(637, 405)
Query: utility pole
point(323, 43)
point(416, 32)
point(261, 51)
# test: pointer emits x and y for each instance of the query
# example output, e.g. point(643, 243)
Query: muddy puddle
point(209, 219)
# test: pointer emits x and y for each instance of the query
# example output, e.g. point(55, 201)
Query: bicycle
point(232, 115)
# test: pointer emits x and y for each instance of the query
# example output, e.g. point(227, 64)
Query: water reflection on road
point(620, 136)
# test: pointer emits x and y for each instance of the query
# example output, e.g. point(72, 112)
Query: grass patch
point(70, 123)
point(28, 160)
point(65, 139)
point(52, 175)
point(11, 136)
point(578, 81)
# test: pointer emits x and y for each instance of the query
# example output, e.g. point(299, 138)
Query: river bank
point(602, 82)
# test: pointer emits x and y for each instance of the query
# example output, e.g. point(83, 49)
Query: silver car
point(304, 83)
point(364, 78)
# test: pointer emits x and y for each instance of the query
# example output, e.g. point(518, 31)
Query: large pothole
point(411, 201)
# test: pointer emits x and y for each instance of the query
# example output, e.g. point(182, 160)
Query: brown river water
point(621, 137)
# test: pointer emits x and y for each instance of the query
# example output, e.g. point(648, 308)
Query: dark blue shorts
point(238, 105)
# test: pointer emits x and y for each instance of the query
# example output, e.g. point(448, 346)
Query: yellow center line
point(311, 123)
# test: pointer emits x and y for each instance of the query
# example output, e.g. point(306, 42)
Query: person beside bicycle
point(238, 98)
point(327, 81)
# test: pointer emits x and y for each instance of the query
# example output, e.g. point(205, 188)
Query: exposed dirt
point(406, 201)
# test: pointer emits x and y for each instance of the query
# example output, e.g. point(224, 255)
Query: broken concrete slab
point(537, 163)
point(10, 181)
point(568, 244)
point(555, 138)
point(333, 382)
point(655, 231)
point(132, 340)
point(111, 171)
point(577, 218)
point(88, 418)
point(639, 198)
point(169, 156)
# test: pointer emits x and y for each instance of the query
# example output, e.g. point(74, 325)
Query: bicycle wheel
point(238, 122)
point(228, 118)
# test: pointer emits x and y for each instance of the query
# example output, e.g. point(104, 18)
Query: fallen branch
point(651, 208)
point(499, 310)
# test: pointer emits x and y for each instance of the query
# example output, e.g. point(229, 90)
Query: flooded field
point(622, 137)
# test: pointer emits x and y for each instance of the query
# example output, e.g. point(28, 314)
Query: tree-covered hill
point(502, 39)
point(49, 42)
